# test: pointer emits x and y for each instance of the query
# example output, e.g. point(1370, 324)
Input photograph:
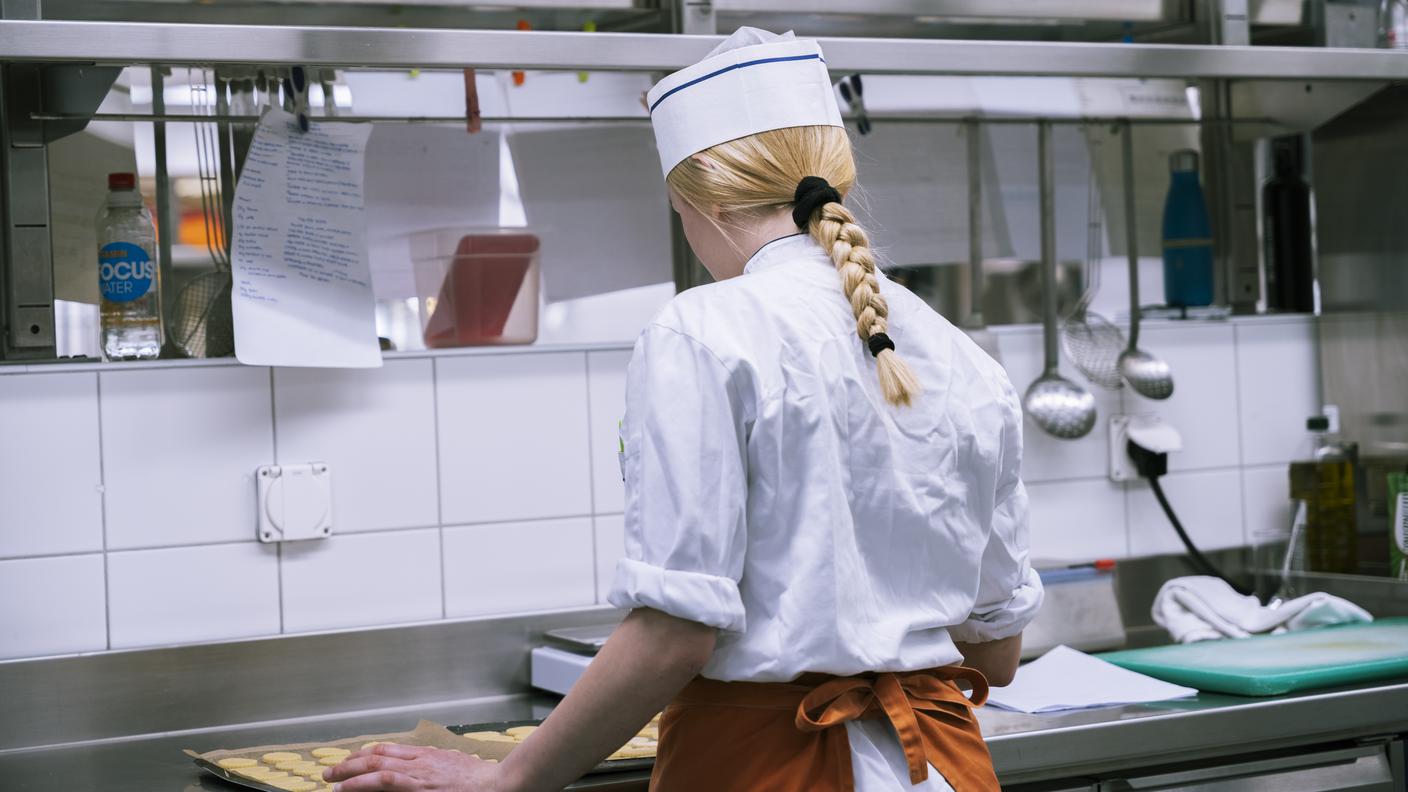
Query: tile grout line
point(103, 484)
point(591, 483)
point(377, 532)
point(1241, 430)
point(439, 501)
point(1124, 490)
point(1180, 472)
point(278, 546)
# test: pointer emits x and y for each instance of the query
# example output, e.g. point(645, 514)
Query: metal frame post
point(1229, 173)
point(26, 260)
point(696, 17)
point(166, 225)
point(693, 17)
point(26, 257)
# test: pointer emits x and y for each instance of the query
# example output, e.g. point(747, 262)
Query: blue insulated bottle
point(1187, 235)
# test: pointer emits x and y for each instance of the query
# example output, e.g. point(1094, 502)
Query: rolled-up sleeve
point(1009, 590)
point(684, 461)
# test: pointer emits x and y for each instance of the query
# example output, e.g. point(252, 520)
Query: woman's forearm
point(996, 659)
point(647, 660)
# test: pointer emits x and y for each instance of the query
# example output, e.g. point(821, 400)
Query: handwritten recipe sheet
point(302, 283)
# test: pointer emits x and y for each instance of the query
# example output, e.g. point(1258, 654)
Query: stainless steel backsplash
point(118, 694)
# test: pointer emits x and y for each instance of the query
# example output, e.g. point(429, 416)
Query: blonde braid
point(754, 176)
point(835, 228)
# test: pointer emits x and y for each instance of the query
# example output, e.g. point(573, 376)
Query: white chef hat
point(753, 82)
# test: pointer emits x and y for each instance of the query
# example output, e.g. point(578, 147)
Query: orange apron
point(791, 736)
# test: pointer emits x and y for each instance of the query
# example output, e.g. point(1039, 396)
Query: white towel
point(1200, 608)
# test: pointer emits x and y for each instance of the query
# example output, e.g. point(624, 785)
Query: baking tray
point(425, 733)
point(228, 776)
point(613, 766)
point(209, 765)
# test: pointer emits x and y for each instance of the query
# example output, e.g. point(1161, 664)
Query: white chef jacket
point(773, 493)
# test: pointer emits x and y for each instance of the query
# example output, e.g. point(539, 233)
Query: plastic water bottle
point(128, 284)
point(1188, 271)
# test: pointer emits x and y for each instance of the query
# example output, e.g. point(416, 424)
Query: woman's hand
point(387, 767)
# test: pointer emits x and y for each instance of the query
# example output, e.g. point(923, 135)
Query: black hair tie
point(879, 342)
point(813, 192)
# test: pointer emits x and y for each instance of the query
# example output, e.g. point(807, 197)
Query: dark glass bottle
point(1285, 200)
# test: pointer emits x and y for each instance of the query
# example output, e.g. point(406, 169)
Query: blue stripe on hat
point(711, 75)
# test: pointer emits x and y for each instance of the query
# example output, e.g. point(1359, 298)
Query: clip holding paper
point(853, 92)
point(296, 95)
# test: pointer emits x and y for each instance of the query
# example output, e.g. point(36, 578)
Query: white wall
point(477, 484)
point(1243, 390)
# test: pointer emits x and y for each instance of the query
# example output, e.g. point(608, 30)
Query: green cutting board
point(1268, 665)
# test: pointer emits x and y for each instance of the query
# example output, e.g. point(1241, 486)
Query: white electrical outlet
point(294, 502)
point(1149, 431)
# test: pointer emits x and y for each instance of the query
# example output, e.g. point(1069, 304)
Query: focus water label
point(125, 272)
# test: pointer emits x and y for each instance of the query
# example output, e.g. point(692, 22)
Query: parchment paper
point(426, 733)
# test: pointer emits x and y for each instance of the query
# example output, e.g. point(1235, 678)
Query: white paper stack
point(1065, 679)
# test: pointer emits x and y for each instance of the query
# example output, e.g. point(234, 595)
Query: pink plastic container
point(477, 287)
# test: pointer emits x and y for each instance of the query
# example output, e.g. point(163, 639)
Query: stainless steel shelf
point(1010, 120)
point(140, 43)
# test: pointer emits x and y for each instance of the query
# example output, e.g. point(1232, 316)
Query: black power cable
point(1200, 561)
point(1152, 465)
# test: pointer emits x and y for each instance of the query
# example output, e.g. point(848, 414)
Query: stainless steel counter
point(1036, 747)
point(118, 721)
point(1025, 748)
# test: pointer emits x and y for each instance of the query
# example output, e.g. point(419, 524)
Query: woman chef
point(826, 531)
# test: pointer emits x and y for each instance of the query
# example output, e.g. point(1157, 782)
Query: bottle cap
point(1317, 423)
point(122, 181)
point(1183, 160)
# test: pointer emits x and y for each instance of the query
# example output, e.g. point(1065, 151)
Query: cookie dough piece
point(330, 761)
point(365, 746)
point(520, 731)
point(491, 737)
point(319, 753)
point(236, 762)
point(295, 785)
point(292, 764)
point(280, 756)
point(630, 752)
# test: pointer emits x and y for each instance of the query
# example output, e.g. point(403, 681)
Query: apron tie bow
point(900, 698)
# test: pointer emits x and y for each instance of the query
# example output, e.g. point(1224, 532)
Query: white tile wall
point(180, 447)
point(610, 547)
point(1077, 521)
point(192, 594)
point(518, 567)
point(48, 424)
point(1208, 503)
point(1266, 499)
point(519, 453)
point(1279, 381)
point(513, 437)
point(1047, 458)
point(52, 606)
point(607, 389)
point(362, 579)
point(1203, 407)
point(376, 429)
